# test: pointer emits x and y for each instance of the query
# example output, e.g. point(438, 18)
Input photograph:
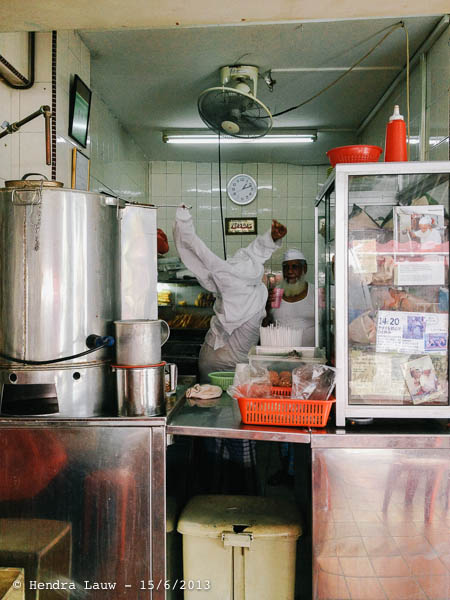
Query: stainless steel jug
point(138, 342)
point(141, 390)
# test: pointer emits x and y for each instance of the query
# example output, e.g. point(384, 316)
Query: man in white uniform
point(237, 284)
point(428, 381)
point(296, 311)
point(239, 309)
point(426, 234)
point(297, 306)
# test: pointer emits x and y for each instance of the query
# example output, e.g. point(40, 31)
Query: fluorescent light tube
point(211, 138)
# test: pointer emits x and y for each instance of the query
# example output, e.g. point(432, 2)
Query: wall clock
point(242, 189)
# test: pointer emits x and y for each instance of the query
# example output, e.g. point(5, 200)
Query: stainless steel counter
point(382, 433)
point(92, 489)
point(224, 420)
point(380, 496)
point(380, 510)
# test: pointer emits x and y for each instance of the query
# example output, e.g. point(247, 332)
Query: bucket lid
point(209, 516)
point(32, 184)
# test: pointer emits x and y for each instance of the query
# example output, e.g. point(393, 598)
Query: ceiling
point(151, 79)
point(45, 15)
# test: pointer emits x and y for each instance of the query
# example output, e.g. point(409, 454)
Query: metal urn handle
point(164, 339)
point(171, 369)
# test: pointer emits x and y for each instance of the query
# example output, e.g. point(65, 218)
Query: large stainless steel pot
point(59, 282)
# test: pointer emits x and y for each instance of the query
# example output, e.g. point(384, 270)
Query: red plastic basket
point(285, 411)
point(354, 154)
point(280, 392)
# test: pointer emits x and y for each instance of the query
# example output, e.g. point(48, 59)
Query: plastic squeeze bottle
point(395, 144)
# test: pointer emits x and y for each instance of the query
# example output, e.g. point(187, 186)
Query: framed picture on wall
point(244, 226)
point(80, 170)
point(79, 110)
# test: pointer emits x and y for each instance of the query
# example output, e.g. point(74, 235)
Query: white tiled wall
point(24, 151)
point(117, 163)
point(437, 105)
point(285, 192)
point(72, 58)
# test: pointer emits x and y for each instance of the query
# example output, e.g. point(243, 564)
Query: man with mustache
point(297, 306)
point(297, 311)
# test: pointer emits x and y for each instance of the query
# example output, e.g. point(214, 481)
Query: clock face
point(242, 189)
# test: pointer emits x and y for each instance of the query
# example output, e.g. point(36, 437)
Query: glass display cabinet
point(382, 259)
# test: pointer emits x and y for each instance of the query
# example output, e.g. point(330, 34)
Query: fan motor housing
point(240, 73)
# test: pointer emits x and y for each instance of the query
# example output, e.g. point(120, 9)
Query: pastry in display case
point(185, 305)
point(382, 259)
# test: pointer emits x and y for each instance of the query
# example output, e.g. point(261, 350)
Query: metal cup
point(138, 342)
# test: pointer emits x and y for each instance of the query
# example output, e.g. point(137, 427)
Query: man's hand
point(278, 230)
point(270, 296)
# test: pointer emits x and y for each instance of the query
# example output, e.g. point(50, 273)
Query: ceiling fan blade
point(220, 107)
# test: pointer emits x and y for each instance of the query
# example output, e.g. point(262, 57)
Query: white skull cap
point(293, 254)
point(425, 220)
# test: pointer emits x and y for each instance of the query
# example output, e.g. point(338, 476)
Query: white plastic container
point(240, 547)
point(278, 360)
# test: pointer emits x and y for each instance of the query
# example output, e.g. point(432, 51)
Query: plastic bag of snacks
point(280, 379)
point(250, 382)
point(313, 381)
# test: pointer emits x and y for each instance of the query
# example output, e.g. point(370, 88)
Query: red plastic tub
point(354, 154)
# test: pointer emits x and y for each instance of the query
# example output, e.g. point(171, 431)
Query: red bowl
point(354, 154)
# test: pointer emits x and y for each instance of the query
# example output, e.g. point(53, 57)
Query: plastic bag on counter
point(250, 381)
point(313, 382)
point(280, 379)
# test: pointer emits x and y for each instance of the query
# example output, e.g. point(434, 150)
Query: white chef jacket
point(430, 236)
point(428, 382)
point(237, 283)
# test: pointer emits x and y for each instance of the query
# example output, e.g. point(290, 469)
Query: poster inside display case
point(391, 314)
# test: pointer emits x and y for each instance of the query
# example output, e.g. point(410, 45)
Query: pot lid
point(32, 184)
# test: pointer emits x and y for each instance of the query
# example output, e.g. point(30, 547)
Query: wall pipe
point(13, 127)
point(28, 83)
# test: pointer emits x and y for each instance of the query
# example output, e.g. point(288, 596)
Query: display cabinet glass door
point(397, 289)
